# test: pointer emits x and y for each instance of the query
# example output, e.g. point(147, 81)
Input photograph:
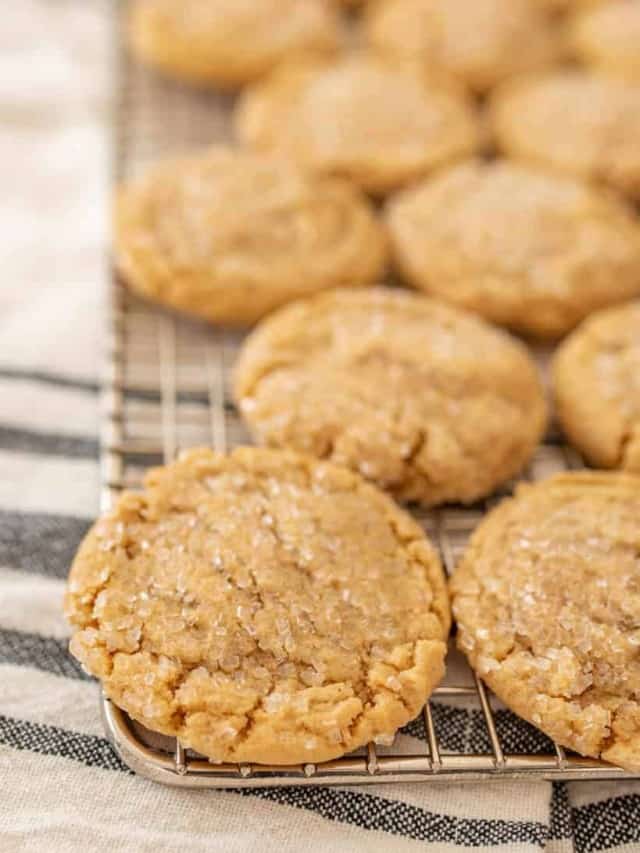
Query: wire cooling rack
point(166, 388)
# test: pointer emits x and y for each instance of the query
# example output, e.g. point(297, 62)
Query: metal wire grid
point(166, 388)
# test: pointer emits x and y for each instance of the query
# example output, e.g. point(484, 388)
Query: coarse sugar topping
point(261, 606)
point(547, 602)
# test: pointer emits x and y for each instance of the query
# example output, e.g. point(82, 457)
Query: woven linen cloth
point(62, 788)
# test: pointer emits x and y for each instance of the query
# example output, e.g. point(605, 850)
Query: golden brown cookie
point(547, 599)
point(229, 235)
point(596, 380)
point(228, 43)
point(574, 121)
point(260, 606)
point(608, 38)
point(529, 249)
point(427, 401)
point(362, 117)
point(562, 6)
point(479, 43)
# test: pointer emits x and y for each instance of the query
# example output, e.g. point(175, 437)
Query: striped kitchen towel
point(62, 788)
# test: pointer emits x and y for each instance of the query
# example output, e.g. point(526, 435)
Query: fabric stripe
point(62, 381)
point(610, 823)
point(560, 825)
point(54, 317)
point(41, 697)
point(80, 808)
point(398, 818)
point(46, 653)
point(464, 730)
point(47, 378)
point(453, 724)
point(40, 542)
point(48, 408)
point(336, 805)
point(29, 603)
point(31, 441)
point(52, 740)
point(47, 484)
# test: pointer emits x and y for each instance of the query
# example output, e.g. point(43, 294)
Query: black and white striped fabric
point(62, 788)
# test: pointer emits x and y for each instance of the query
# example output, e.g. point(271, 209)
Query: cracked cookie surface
point(523, 247)
point(379, 122)
point(229, 235)
point(229, 42)
point(596, 383)
point(261, 606)
point(546, 601)
point(574, 121)
point(479, 43)
point(427, 401)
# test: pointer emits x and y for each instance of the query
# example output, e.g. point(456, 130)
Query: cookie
point(479, 43)
point(229, 235)
point(260, 606)
point(574, 121)
point(228, 43)
point(547, 598)
point(596, 382)
point(563, 6)
point(377, 122)
point(427, 401)
point(529, 249)
point(608, 38)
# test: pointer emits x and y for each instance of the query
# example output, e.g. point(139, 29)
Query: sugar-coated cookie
point(261, 606)
point(596, 381)
point(546, 600)
point(228, 43)
point(608, 38)
point(523, 247)
point(479, 43)
point(426, 400)
point(577, 122)
point(379, 122)
point(229, 235)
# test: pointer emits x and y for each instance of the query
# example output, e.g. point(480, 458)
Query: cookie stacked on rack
point(414, 183)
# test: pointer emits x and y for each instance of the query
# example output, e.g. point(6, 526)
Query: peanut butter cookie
point(547, 599)
point(479, 43)
point(229, 235)
point(427, 401)
point(529, 249)
point(228, 43)
point(596, 380)
point(562, 6)
point(574, 121)
point(260, 606)
point(608, 37)
point(377, 122)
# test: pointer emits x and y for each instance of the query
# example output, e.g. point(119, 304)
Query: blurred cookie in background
point(596, 383)
point(574, 121)
point(522, 246)
point(228, 43)
point(563, 6)
point(608, 38)
point(229, 235)
point(429, 402)
point(479, 43)
point(379, 122)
